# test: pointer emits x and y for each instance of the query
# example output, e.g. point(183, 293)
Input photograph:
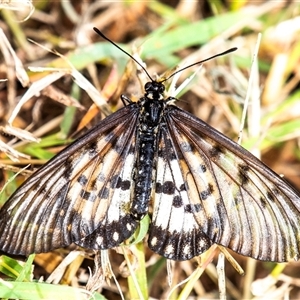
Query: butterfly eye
point(148, 86)
point(161, 88)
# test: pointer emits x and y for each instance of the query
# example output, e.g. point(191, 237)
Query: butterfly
point(202, 188)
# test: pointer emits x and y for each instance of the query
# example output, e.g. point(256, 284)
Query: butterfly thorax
point(151, 111)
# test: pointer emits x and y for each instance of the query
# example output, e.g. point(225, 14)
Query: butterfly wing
point(241, 203)
point(83, 189)
point(174, 232)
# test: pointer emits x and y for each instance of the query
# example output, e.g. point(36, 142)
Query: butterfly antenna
point(106, 38)
point(202, 61)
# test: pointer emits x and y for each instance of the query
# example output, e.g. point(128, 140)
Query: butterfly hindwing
point(244, 205)
point(117, 224)
point(174, 232)
point(81, 189)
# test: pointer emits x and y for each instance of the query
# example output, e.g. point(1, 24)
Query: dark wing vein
point(243, 204)
point(82, 189)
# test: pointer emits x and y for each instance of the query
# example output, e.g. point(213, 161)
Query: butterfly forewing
point(69, 197)
point(244, 205)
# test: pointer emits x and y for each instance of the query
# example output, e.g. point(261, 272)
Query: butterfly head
point(154, 90)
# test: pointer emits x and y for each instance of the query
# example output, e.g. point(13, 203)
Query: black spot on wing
point(205, 194)
point(263, 202)
point(177, 201)
point(168, 188)
point(123, 184)
point(92, 149)
point(238, 200)
point(118, 183)
point(68, 166)
point(192, 208)
point(90, 196)
point(104, 193)
point(82, 180)
point(216, 151)
point(114, 181)
point(203, 168)
point(222, 212)
point(158, 188)
point(182, 187)
point(84, 194)
point(270, 196)
point(243, 170)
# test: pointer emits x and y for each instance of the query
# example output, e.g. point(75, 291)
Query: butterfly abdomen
point(149, 120)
